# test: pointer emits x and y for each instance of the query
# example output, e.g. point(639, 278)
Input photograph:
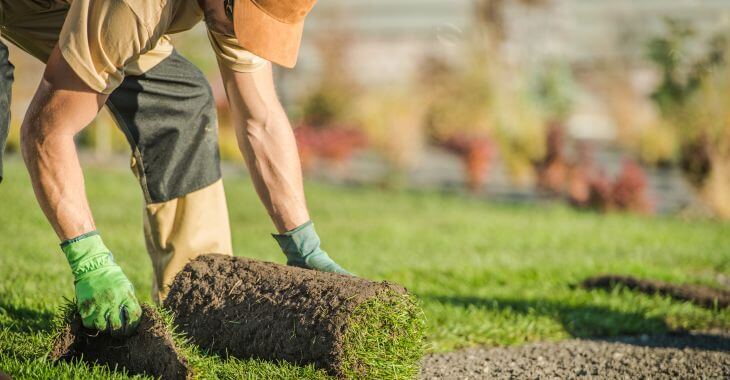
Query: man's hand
point(302, 249)
point(106, 301)
point(104, 295)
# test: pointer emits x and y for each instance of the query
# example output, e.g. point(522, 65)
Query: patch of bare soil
point(700, 295)
point(683, 356)
point(251, 309)
point(150, 350)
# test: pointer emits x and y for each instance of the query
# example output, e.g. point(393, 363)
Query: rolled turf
point(348, 326)
point(151, 350)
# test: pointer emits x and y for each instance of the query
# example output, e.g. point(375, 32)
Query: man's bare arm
point(62, 106)
point(267, 142)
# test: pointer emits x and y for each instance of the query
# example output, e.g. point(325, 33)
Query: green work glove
point(301, 247)
point(104, 295)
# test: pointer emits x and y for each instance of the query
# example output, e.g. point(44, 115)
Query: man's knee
point(182, 229)
point(172, 128)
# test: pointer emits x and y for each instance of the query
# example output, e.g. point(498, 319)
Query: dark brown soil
point(700, 295)
point(251, 309)
point(682, 356)
point(150, 350)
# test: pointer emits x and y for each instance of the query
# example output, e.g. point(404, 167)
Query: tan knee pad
point(181, 229)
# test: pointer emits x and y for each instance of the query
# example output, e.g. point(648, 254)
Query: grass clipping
point(347, 326)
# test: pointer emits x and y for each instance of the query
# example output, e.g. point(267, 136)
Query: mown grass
point(484, 273)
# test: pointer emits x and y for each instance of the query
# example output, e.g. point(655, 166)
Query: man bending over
point(118, 53)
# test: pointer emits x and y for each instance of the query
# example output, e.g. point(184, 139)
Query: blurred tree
point(693, 95)
point(706, 157)
point(640, 126)
point(392, 118)
point(327, 122)
point(330, 101)
point(681, 76)
point(480, 105)
point(462, 110)
point(554, 90)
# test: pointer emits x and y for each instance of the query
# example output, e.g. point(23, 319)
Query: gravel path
point(686, 356)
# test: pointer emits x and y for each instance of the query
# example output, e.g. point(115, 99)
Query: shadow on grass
point(23, 319)
point(587, 321)
point(580, 321)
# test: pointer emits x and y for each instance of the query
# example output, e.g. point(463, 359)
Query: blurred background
point(610, 106)
point(489, 155)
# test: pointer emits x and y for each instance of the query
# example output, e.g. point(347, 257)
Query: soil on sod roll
point(700, 295)
point(348, 326)
point(150, 350)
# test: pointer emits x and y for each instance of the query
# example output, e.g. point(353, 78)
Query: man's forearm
point(59, 110)
point(267, 142)
point(270, 151)
point(62, 106)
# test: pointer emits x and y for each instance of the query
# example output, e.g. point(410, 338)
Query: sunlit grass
point(484, 273)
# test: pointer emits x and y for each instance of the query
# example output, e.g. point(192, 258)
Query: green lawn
point(485, 273)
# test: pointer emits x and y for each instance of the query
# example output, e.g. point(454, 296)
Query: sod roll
point(151, 350)
point(348, 326)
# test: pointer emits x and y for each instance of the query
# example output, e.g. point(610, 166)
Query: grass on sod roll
point(384, 339)
point(202, 363)
point(485, 273)
point(247, 308)
point(149, 351)
point(373, 329)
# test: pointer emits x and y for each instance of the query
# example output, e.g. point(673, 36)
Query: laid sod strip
point(347, 326)
point(151, 350)
point(697, 294)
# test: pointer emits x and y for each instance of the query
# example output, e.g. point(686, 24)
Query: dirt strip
point(698, 294)
point(685, 356)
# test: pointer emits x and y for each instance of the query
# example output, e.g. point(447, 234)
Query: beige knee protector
point(182, 229)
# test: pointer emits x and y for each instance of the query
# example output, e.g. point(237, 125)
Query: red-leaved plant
point(553, 169)
point(335, 144)
point(627, 192)
point(475, 154)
